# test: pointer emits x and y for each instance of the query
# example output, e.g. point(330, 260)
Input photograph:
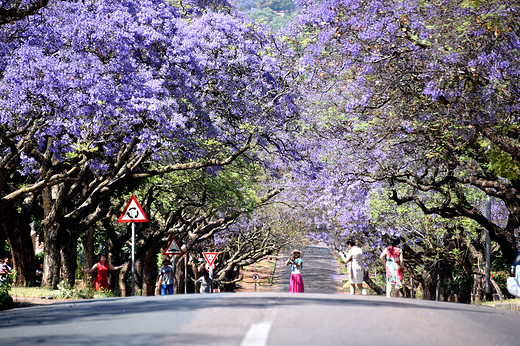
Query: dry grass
point(32, 292)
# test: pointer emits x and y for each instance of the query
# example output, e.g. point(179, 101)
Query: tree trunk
point(373, 285)
point(149, 271)
point(68, 257)
point(138, 279)
point(51, 259)
point(115, 277)
point(18, 233)
point(429, 286)
point(88, 255)
point(121, 282)
point(479, 288)
point(3, 240)
point(179, 275)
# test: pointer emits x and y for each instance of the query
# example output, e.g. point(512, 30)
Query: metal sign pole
point(488, 250)
point(133, 258)
point(255, 277)
point(185, 274)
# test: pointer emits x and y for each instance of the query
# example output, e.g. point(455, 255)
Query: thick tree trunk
point(51, 259)
point(479, 288)
point(139, 265)
point(18, 232)
point(68, 257)
point(429, 286)
point(88, 255)
point(123, 288)
point(149, 271)
point(115, 277)
point(3, 240)
point(178, 288)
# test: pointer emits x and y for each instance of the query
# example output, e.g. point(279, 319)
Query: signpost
point(255, 277)
point(210, 257)
point(133, 213)
point(173, 248)
point(210, 262)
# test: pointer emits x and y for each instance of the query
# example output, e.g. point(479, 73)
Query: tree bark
point(429, 286)
point(51, 259)
point(68, 257)
point(88, 255)
point(18, 233)
point(179, 275)
point(373, 285)
point(149, 266)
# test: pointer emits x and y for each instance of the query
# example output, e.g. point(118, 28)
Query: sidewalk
point(321, 271)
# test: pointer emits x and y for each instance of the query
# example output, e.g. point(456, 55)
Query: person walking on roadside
point(9, 264)
point(205, 283)
point(102, 268)
point(392, 257)
point(5, 270)
point(166, 277)
point(356, 272)
point(296, 263)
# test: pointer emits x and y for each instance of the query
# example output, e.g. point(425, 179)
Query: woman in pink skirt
point(296, 263)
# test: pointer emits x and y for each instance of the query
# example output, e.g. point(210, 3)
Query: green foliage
point(7, 247)
point(500, 278)
point(87, 292)
point(503, 164)
point(6, 301)
point(270, 17)
point(459, 286)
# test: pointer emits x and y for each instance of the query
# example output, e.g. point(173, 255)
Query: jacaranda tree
point(421, 96)
point(96, 95)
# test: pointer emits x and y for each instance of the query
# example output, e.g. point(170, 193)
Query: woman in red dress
point(102, 267)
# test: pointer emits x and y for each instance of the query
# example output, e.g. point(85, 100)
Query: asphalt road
point(320, 316)
point(274, 318)
point(320, 272)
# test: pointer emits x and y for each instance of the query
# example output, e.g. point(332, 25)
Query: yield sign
point(210, 257)
point(133, 212)
point(173, 248)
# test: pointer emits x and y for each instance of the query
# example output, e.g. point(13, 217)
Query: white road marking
point(257, 334)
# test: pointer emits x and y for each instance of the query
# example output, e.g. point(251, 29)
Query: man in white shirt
point(356, 272)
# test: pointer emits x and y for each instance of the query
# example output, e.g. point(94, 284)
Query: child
point(166, 275)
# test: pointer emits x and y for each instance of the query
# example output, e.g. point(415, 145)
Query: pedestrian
point(354, 260)
point(9, 264)
point(392, 257)
point(205, 283)
point(4, 271)
point(166, 278)
point(102, 268)
point(39, 275)
point(296, 263)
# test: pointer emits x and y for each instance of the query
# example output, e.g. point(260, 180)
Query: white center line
point(257, 334)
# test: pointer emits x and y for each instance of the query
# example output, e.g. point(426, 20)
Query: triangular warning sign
point(133, 212)
point(173, 248)
point(210, 257)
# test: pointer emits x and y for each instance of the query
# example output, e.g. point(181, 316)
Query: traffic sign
point(173, 248)
point(133, 212)
point(208, 267)
point(210, 257)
